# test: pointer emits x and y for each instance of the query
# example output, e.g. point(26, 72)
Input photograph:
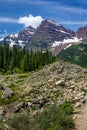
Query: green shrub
point(54, 118)
point(21, 121)
point(67, 107)
point(8, 101)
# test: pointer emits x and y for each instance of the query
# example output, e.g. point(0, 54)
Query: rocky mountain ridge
point(20, 39)
point(49, 35)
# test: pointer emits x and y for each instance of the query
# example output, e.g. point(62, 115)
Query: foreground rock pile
point(54, 83)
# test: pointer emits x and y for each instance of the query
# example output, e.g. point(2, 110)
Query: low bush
point(67, 107)
point(54, 118)
point(21, 121)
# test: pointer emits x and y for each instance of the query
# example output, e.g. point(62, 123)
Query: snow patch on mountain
point(65, 41)
point(21, 43)
point(67, 46)
point(1, 39)
point(14, 35)
point(63, 32)
point(12, 43)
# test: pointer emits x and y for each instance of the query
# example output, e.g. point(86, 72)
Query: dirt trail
point(81, 120)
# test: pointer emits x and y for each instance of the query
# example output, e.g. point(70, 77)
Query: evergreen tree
point(18, 58)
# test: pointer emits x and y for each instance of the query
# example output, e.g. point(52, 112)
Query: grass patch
point(19, 81)
point(8, 101)
point(67, 107)
point(13, 87)
point(23, 76)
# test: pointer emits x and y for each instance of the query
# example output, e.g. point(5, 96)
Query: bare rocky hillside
point(30, 92)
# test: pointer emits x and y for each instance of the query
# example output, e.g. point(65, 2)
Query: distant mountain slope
point(75, 54)
point(20, 39)
point(50, 34)
point(82, 33)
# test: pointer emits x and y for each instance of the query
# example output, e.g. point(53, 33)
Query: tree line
point(18, 59)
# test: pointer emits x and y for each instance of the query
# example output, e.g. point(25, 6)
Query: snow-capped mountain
point(52, 35)
point(49, 34)
point(20, 39)
point(26, 34)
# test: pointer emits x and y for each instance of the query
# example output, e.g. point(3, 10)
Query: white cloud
point(30, 20)
point(74, 22)
point(7, 19)
point(71, 9)
point(30, 2)
point(36, 21)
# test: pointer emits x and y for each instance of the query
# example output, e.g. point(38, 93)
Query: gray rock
point(17, 107)
point(77, 99)
point(78, 104)
point(59, 82)
point(82, 101)
point(7, 93)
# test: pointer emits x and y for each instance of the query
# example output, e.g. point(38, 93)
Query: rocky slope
point(49, 34)
point(54, 83)
point(26, 34)
point(20, 39)
point(82, 33)
point(50, 31)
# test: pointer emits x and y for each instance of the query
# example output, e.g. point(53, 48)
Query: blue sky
point(16, 14)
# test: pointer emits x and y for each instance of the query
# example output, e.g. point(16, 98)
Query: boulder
point(17, 107)
point(7, 93)
point(77, 99)
point(78, 104)
point(59, 82)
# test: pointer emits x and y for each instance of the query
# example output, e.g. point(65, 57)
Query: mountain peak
point(49, 34)
point(52, 22)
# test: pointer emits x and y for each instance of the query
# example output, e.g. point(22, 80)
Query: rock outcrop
point(82, 33)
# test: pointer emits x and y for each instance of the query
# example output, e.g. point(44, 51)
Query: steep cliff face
point(49, 32)
point(26, 33)
point(82, 33)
